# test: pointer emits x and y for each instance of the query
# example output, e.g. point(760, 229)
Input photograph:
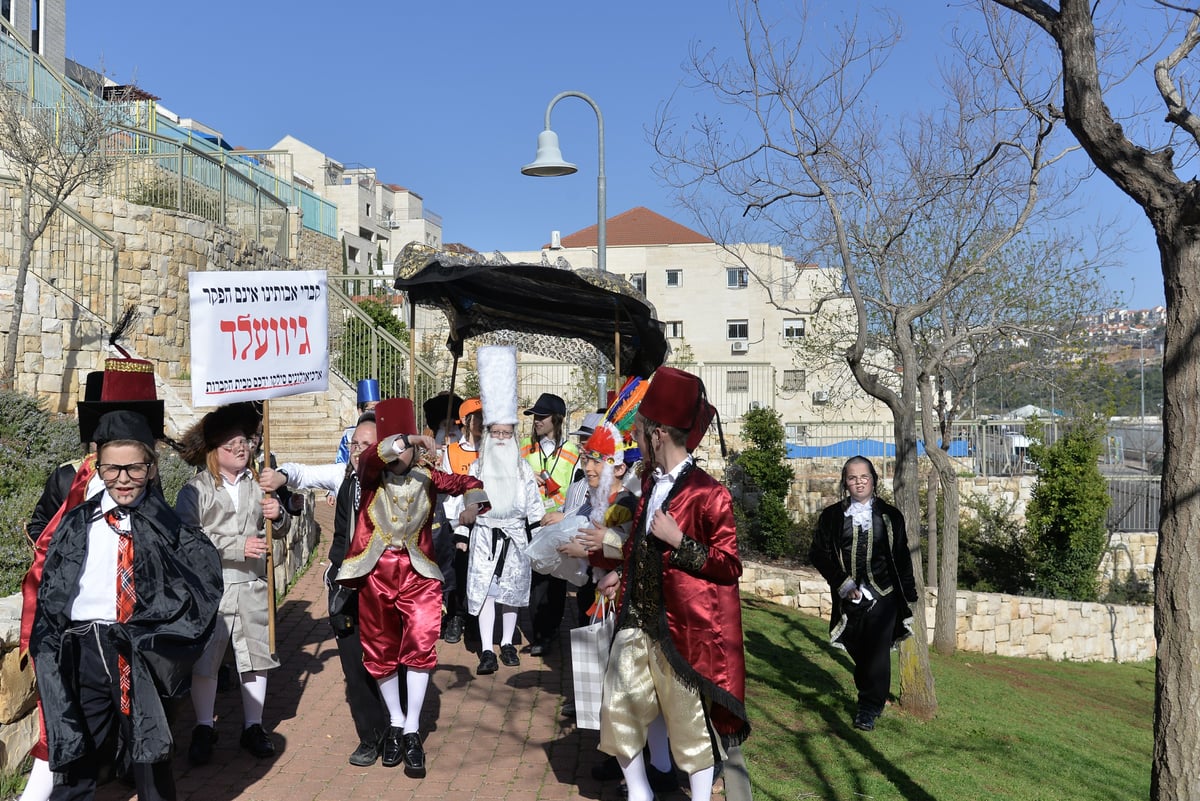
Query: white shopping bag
point(590, 645)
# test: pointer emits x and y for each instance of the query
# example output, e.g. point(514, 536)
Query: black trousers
point(871, 651)
point(99, 688)
point(547, 602)
point(367, 709)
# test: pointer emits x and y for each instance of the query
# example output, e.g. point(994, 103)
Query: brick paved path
point(486, 737)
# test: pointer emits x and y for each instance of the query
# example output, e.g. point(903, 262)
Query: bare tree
point(52, 146)
point(1094, 55)
point(936, 221)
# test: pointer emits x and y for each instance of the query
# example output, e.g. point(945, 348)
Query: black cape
point(177, 579)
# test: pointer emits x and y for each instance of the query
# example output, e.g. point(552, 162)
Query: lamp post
point(1142, 361)
point(548, 162)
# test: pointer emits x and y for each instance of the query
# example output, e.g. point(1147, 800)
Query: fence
point(72, 255)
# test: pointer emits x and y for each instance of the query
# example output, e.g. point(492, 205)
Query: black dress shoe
point(454, 629)
point(414, 756)
point(201, 749)
point(392, 747)
point(864, 721)
point(487, 663)
point(508, 655)
point(366, 754)
point(256, 741)
point(537, 649)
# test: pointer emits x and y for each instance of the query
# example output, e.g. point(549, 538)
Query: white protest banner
point(258, 335)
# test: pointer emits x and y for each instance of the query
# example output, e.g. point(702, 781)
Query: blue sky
point(447, 98)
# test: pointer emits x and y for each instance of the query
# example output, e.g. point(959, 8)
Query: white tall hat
point(497, 366)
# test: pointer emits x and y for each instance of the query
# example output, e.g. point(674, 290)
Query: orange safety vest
point(460, 458)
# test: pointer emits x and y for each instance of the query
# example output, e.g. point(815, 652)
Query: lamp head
point(548, 162)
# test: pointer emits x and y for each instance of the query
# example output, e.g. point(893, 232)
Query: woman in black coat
point(861, 548)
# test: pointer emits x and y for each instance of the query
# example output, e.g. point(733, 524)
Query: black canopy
point(554, 311)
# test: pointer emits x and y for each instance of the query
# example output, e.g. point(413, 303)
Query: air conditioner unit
point(739, 346)
point(756, 405)
point(820, 396)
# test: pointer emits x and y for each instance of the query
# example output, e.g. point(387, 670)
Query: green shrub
point(1065, 518)
point(761, 481)
point(32, 443)
point(993, 555)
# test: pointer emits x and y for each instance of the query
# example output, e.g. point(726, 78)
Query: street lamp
point(1142, 360)
point(548, 162)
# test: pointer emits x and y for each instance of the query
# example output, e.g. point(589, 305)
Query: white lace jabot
point(860, 513)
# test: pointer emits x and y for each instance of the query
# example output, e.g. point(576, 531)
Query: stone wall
point(18, 716)
point(989, 623)
point(156, 248)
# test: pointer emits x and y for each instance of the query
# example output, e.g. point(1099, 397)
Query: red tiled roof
point(638, 226)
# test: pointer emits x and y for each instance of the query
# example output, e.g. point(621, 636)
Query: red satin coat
point(372, 464)
point(703, 609)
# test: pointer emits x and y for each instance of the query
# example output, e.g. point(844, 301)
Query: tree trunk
point(917, 696)
point(945, 625)
point(8, 371)
point(1175, 775)
point(931, 531)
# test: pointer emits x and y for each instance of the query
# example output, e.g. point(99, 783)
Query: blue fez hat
point(368, 391)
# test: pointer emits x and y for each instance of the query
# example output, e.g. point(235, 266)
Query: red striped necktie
point(125, 591)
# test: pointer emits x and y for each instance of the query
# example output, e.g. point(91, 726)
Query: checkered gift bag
point(589, 659)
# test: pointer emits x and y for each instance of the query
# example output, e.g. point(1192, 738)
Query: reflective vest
point(553, 471)
point(460, 458)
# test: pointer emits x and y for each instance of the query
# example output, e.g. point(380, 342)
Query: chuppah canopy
point(576, 316)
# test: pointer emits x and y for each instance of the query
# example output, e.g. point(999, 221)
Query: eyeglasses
point(135, 471)
point(501, 434)
point(360, 446)
point(236, 444)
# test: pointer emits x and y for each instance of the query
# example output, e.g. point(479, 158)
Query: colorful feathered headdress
point(623, 410)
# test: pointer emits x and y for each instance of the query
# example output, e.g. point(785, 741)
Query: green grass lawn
point(1012, 729)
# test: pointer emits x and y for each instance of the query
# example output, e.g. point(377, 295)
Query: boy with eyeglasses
point(111, 648)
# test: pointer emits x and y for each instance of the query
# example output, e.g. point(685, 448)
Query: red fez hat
point(678, 399)
point(395, 416)
point(126, 385)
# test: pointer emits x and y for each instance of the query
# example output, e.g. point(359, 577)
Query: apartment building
point(740, 319)
point(373, 217)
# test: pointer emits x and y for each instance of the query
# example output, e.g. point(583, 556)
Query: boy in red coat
point(678, 647)
point(391, 560)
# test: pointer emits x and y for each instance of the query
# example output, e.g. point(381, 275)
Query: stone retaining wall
point(990, 623)
point(18, 716)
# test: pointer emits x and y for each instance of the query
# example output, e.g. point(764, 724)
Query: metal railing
point(1136, 503)
point(358, 349)
point(72, 256)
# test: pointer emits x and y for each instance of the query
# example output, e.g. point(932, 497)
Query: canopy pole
point(412, 348)
point(266, 446)
point(451, 413)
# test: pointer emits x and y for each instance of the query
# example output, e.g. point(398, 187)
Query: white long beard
point(598, 496)
point(499, 469)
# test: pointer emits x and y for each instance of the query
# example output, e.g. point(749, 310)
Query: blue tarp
point(862, 447)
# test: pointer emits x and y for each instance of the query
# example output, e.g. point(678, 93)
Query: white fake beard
point(598, 497)
point(499, 469)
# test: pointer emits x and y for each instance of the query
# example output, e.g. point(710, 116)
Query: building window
point(793, 327)
point(674, 329)
point(639, 281)
point(674, 277)
point(737, 329)
point(737, 380)
point(737, 277)
point(368, 210)
point(352, 254)
point(795, 432)
point(793, 380)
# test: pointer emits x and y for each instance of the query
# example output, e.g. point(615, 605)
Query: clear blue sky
point(447, 98)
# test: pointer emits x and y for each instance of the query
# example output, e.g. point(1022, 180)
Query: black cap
point(123, 425)
point(548, 404)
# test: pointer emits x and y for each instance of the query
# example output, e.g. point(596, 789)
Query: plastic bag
point(543, 550)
